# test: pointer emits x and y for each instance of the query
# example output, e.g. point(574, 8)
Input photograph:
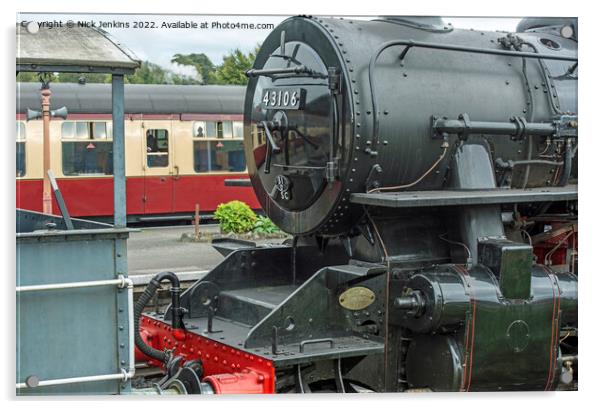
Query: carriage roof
point(139, 98)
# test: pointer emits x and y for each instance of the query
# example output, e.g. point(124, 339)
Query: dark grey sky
point(158, 44)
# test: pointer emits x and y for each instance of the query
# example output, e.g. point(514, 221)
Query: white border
point(590, 197)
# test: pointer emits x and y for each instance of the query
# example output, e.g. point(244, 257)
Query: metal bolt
point(32, 381)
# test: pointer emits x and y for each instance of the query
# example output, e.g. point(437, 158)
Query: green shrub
point(265, 225)
point(235, 217)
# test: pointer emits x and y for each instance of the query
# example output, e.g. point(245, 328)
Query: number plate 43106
point(283, 98)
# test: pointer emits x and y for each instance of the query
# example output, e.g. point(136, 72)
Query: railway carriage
point(181, 143)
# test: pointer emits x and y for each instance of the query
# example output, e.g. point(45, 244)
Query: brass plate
point(356, 298)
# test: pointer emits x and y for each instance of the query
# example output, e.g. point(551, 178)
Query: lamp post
point(47, 191)
point(46, 114)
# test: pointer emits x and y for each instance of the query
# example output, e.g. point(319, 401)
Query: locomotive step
point(250, 305)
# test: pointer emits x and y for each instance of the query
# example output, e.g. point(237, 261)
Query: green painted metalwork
point(66, 333)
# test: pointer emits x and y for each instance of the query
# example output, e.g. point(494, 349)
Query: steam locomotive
point(428, 177)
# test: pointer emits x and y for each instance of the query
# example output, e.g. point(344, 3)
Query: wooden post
point(47, 189)
point(197, 220)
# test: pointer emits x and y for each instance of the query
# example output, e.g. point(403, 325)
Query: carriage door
point(158, 167)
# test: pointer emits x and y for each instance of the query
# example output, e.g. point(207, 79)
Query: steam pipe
point(568, 164)
point(176, 317)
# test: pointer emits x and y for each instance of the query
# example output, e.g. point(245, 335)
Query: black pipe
point(176, 316)
point(268, 72)
point(568, 164)
point(517, 127)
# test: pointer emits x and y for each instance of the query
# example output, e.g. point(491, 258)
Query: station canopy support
point(84, 50)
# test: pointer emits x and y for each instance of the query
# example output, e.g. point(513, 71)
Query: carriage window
point(68, 130)
point(227, 129)
point(86, 130)
point(87, 148)
point(219, 156)
point(101, 130)
point(20, 149)
point(211, 130)
point(237, 130)
point(199, 129)
point(212, 153)
point(157, 148)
